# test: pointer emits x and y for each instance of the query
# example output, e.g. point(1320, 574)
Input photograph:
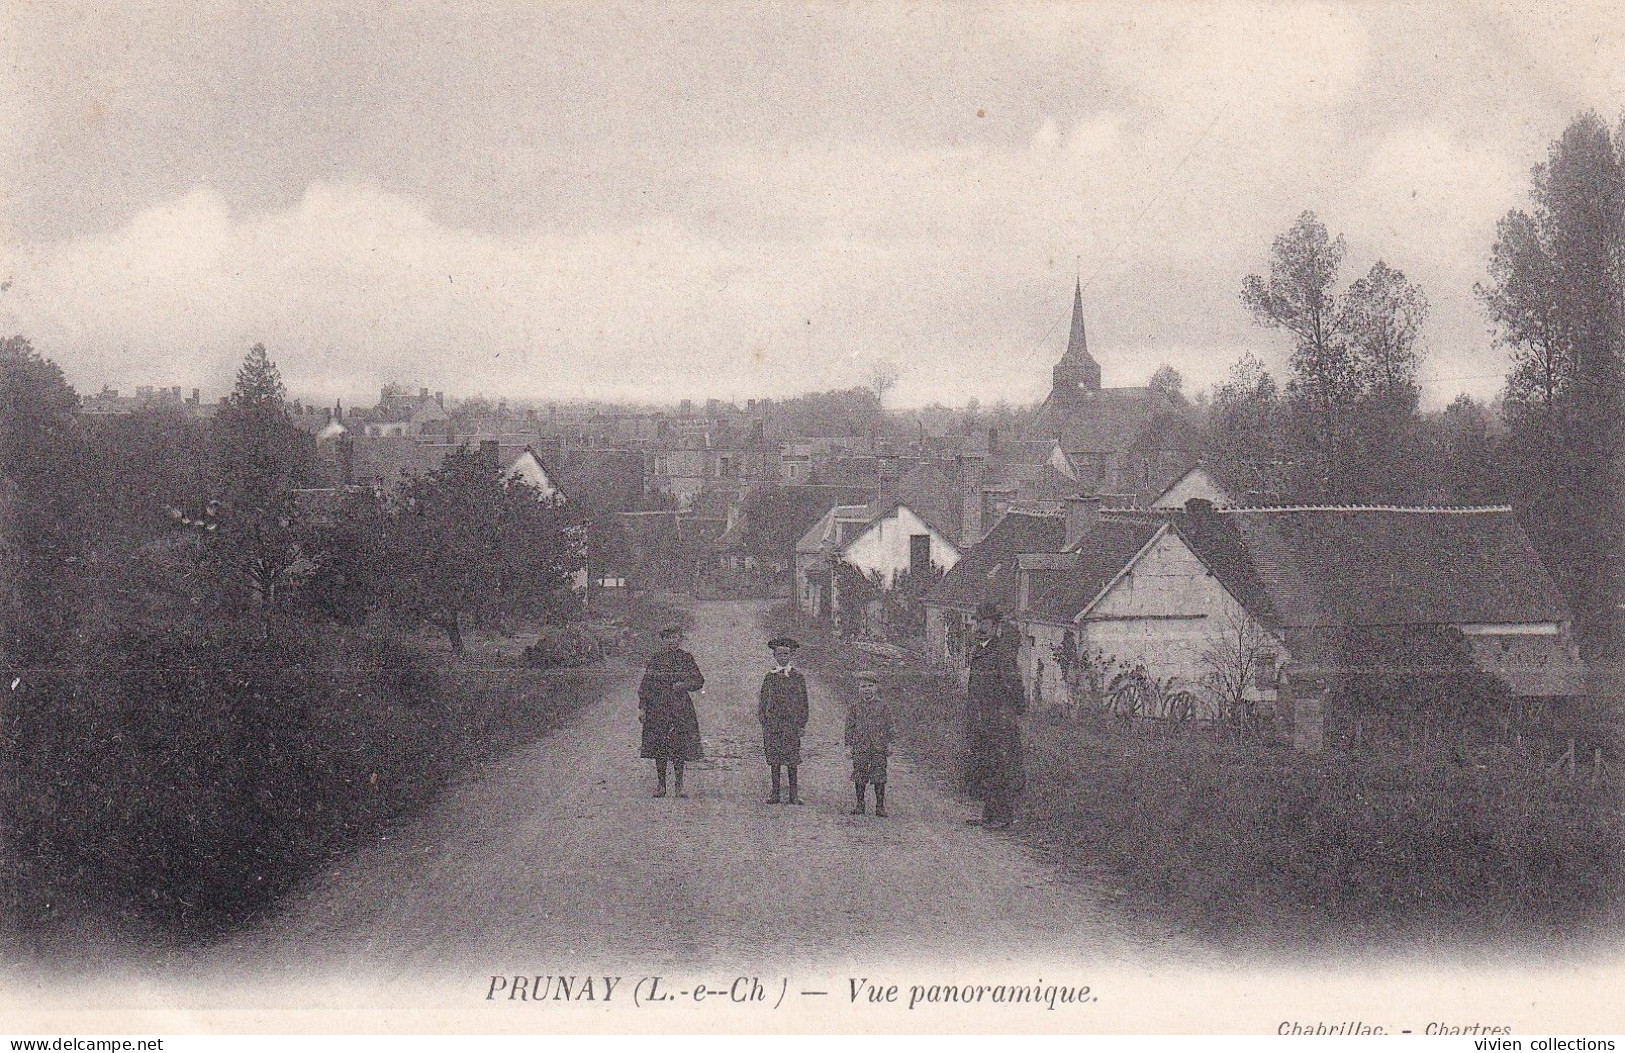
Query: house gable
point(1168, 612)
point(883, 546)
point(1166, 580)
point(989, 570)
point(528, 468)
point(1196, 483)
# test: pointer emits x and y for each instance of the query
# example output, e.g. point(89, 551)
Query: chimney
point(992, 441)
point(1082, 513)
point(440, 399)
point(197, 396)
point(346, 460)
point(423, 393)
point(491, 455)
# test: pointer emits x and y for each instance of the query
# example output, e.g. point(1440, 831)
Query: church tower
point(1077, 371)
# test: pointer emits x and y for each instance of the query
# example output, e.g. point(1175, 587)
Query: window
point(919, 553)
point(953, 624)
point(1269, 676)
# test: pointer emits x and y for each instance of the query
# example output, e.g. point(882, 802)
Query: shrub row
point(183, 775)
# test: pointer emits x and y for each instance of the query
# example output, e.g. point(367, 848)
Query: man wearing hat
point(671, 727)
point(995, 695)
point(782, 709)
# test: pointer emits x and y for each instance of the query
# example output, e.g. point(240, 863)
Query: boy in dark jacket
point(782, 709)
point(868, 734)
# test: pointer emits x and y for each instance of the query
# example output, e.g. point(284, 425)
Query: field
point(1252, 846)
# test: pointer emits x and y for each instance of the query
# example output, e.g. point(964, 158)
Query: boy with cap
point(782, 709)
point(868, 734)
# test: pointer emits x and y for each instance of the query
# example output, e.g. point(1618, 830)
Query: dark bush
point(570, 646)
point(186, 773)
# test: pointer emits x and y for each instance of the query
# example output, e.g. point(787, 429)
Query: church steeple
point(1077, 370)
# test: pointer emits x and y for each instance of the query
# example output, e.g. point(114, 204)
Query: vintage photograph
point(812, 517)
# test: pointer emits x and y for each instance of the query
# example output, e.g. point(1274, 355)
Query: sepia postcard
point(696, 517)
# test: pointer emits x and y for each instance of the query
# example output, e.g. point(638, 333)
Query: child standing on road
point(782, 709)
point(868, 734)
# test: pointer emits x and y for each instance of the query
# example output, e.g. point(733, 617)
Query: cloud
point(526, 204)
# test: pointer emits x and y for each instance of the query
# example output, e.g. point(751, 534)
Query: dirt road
point(558, 856)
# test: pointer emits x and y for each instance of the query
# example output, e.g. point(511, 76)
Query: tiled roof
point(989, 570)
point(1102, 552)
point(824, 531)
point(1313, 567)
point(1100, 422)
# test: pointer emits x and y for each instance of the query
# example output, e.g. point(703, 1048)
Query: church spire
point(1077, 347)
point(1077, 370)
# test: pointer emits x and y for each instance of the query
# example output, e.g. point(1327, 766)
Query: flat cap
point(868, 676)
point(989, 610)
point(783, 641)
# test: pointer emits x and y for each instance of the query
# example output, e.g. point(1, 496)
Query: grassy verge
point(1251, 846)
point(174, 780)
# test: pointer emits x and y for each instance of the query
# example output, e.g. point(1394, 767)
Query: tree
point(1410, 676)
point(259, 454)
point(41, 503)
point(855, 591)
point(882, 378)
point(1382, 314)
point(1241, 441)
point(1556, 296)
point(902, 606)
point(1354, 362)
point(1169, 384)
point(465, 542)
point(853, 411)
point(138, 467)
point(1466, 466)
point(1233, 662)
point(259, 459)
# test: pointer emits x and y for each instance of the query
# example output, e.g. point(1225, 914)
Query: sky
point(655, 201)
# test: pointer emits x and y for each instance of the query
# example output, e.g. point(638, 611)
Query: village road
point(557, 858)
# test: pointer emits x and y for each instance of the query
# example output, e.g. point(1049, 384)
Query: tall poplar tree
point(1556, 295)
point(1352, 393)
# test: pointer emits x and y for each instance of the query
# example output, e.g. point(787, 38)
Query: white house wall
point(529, 470)
point(884, 547)
point(1166, 613)
point(1194, 483)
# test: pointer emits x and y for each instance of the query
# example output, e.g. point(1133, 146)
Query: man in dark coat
point(993, 690)
point(671, 727)
point(1004, 776)
point(782, 709)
